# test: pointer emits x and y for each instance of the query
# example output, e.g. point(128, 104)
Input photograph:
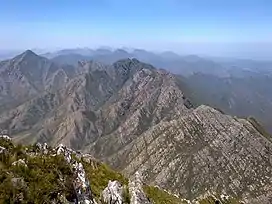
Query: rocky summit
point(138, 120)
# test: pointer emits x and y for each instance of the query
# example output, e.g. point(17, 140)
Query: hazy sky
point(154, 24)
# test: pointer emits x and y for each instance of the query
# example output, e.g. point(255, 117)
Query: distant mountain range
point(136, 117)
point(221, 82)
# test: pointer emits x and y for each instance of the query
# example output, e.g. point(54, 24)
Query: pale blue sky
point(154, 24)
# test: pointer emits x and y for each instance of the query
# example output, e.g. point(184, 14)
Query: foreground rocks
point(136, 190)
point(114, 193)
point(71, 183)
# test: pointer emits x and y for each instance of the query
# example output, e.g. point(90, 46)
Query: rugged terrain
point(135, 118)
point(248, 94)
point(41, 174)
point(238, 87)
point(26, 76)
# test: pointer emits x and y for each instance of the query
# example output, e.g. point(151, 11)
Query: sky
point(208, 26)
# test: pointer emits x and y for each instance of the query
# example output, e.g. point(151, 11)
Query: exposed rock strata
point(138, 118)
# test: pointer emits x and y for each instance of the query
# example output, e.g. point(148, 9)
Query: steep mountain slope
point(97, 102)
point(41, 174)
point(199, 151)
point(248, 95)
point(238, 87)
point(135, 117)
point(26, 76)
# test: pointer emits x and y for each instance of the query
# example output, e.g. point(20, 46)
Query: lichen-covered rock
point(39, 146)
point(137, 195)
point(5, 137)
point(81, 184)
point(20, 162)
point(62, 149)
point(18, 182)
point(113, 193)
point(2, 150)
point(45, 148)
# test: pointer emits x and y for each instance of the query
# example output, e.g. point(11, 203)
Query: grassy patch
point(99, 175)
point(158, 196)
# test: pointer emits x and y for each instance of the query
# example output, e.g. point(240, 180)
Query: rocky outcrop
point(200, 151)
point(136, 191)
point(66, 181)
point(5, 137)
point(81, 183)
point(113, 194)
point(20, 162)
point(2, 150)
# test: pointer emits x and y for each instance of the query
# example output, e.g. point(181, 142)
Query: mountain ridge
point(40, 173)
point(136, 117)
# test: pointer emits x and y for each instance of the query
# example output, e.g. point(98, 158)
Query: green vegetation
point(43, 178)
point(40, 181)
point(99, 175)
point(46, 176)
point(158, 196)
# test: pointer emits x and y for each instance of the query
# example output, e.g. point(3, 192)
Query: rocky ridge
point(71, 183)
point(137, 118)
point(203, 150)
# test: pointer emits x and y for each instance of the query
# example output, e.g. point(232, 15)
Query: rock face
point(20, 162)
point(81, 183)
point(203, 150)
point(26, 76)
point(2, 150)
point(113, 194)
point(243, 95)
point(138, 118)
point(136, 191)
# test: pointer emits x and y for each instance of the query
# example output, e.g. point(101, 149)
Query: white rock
point(19, 162)
point(45, 148)
point(2, 149)
point(60, 149)
point(6, 137)
point(137, 195)
point(82, 185)
point(39, 146)
point(113, 193)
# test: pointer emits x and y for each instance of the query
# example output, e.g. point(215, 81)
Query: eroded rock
point(20, 162)
point(2, 150)
point(137, 195)
point(113, 193)
point(6, 137)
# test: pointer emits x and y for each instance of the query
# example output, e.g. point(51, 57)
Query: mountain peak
point(28, 54)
